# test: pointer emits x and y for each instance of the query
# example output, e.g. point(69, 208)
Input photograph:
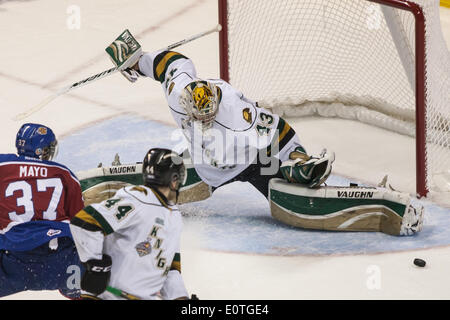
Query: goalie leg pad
point(194, 189)
point(102, 183)
point(344, 208)
point(196, 192)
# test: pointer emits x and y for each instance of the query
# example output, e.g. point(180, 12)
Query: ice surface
point(250, 256)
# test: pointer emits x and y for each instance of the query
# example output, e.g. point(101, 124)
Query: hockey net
point(382, 62)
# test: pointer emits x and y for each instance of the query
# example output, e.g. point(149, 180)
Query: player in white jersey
point(230, 138)
point(131, 242)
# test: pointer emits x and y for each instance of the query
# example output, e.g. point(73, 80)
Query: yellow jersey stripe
point(162, 63)
point(161, 200)
point(176, 265)
point(284, 132)
point(86, 217)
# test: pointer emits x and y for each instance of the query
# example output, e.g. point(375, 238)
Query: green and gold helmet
point(200, 100)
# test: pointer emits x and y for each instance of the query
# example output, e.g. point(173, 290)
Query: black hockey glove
point(96, 277)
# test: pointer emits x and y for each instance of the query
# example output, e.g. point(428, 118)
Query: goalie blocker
point(124, 52)
point(352, 208)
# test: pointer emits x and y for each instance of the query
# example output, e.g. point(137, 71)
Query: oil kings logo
point(42, 131)
point(144, 248)
point(355, 194)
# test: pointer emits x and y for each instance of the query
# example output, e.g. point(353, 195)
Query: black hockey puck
point(419, 262)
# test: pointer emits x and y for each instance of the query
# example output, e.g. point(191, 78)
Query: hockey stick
point(128, 296)
point(103, 74)
point(62, 91)
point(122, 294)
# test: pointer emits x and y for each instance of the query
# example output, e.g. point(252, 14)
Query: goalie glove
point(307, 170)
point(131, 74)
point(125, 52)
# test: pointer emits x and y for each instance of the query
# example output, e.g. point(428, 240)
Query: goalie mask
point(200, 100)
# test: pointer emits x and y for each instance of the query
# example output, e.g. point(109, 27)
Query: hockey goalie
point(230, 138)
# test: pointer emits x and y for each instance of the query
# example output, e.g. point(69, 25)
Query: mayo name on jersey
point(140, 231)
point(239, 131)
point(37, 199)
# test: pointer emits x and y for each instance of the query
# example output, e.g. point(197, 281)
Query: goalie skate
point(412, 221)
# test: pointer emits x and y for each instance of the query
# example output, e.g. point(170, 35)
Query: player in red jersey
point(38, 198)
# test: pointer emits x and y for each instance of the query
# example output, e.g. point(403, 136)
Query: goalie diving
point(230, 138)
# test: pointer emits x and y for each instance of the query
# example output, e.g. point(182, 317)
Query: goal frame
point(420, 72)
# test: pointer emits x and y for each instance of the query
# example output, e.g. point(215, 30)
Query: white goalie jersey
point(141, 232)
point(241, 129)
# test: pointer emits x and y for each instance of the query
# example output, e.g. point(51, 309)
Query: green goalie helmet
point(200, 100)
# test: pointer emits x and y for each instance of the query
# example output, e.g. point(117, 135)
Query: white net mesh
point(349, 58)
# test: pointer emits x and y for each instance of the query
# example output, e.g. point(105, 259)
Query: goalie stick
point(103, 74)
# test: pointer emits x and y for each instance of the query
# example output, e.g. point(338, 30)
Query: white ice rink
point(41, 51)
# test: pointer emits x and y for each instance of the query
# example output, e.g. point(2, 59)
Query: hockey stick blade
point(62, 91)
point(35, 109)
